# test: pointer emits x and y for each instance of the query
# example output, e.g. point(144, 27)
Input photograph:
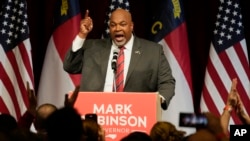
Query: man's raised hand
point(86, 25)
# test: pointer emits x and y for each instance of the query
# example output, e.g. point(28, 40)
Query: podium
point(120, 113)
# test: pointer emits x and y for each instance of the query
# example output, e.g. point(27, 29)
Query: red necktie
point(119, 72)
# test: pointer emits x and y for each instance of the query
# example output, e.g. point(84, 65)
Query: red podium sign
point(122, 112)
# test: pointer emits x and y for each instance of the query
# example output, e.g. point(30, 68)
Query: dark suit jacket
point(149, 70)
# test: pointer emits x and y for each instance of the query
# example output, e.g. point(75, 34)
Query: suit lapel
point(135, 56)
point(105, 57)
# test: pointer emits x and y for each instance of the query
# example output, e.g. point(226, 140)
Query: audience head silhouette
point(92, 131)
point(42, 113)
point(202, 135)
point(137, 136)
point(7, 123)
point(65, 124)
point(166, 131)
point(21, 134)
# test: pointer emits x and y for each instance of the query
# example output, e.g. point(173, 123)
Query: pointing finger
point(86, 14)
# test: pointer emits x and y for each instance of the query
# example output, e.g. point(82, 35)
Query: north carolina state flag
point(169, 29)
point(54, 81)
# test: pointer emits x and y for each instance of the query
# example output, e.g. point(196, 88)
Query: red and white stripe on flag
point(221, 69)
point(15, 58)
point(228, 59)
point(55, 82)
point(177, 53)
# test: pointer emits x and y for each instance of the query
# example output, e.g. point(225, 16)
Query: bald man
point(146, 68)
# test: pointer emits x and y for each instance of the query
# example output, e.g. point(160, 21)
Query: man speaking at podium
point(123, 62)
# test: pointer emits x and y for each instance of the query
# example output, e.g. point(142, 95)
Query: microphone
point(114, 60)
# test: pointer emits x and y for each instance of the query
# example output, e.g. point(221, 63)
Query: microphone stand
point(114, 80)
point(113, 66)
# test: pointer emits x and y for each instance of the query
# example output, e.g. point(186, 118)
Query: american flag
point(228, 59)
point(124, 4)
point(15, 58)
point(169, 29)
